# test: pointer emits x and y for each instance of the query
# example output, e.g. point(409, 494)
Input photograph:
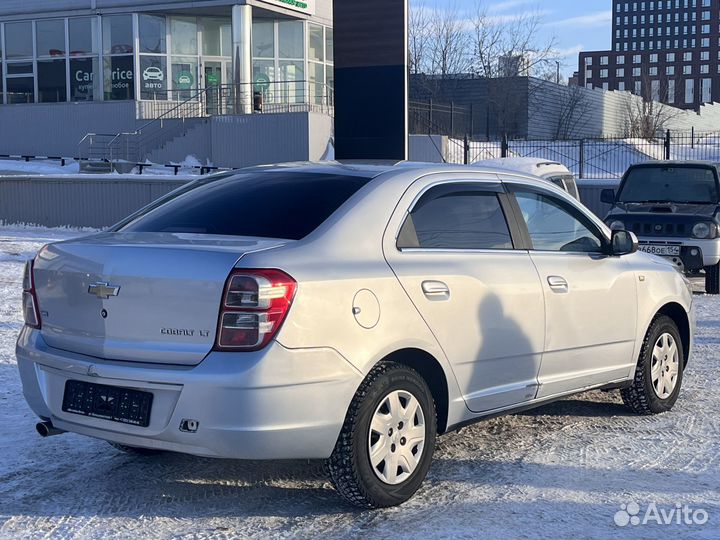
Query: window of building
point(290, 39)
point(687, 70)
point(603, 60)
point(655, 90)
point(620, 72)
point(50, 39)
point(263, 39)
point(705, 55)
point(620, 60)
point(84, 79)
point(621, 86)
point(653, 71)
point(689, 91)
point(704, 68)
point(705, 29)
point(670, 70)
point(153, 34)
point(52, 81)
point(706, 90)
point(83, 36)
point(636, 72)
point(20, 71)
point(603, 73)
point(85, 75)
point(183, 33)
point(671, 91)
point(118, 63)
point(637, 59)
point(653, 58)
point(687, 57)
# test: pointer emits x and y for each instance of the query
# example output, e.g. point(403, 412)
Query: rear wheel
point(386, 444)
point(659, 371)
point(712, 279)
point(135, 450)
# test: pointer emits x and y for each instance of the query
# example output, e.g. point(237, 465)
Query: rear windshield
point(266, 205)
point(670, 184)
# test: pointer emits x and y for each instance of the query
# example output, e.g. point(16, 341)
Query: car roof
point(404, 171)
point(372, 168)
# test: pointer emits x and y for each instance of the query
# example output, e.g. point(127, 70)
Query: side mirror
point(624, 243)
point(607, 196)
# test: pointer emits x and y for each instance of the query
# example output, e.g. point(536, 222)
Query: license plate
point(112, 403)
point(664, 251)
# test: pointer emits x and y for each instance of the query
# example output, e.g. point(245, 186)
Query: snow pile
point(13, 168)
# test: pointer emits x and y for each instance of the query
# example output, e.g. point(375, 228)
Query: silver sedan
point(348, 313)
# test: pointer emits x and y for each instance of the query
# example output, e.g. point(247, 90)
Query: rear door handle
point(558, 284)
point(436, 290)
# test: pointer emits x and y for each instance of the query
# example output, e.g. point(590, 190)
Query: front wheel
point(386, 444)
point(712, 279)
point(659, 372)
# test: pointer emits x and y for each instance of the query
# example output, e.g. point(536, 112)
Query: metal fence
point(232, 99)
point(438, 119)
point(593, 158)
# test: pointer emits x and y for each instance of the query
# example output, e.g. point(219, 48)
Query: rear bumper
point(276, 403)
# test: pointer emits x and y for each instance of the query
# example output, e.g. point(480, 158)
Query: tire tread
point(339, 466)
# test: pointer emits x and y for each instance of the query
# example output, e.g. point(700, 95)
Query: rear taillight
point(31, 314)
point(254, 306)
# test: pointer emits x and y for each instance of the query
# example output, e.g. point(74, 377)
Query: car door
point(590, 296)
point(452, 249)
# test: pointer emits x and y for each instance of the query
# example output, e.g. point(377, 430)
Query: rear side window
point(448, 217)
point(266, 205)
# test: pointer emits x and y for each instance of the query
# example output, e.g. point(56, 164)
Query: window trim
point(514, 188)
point(484, 187)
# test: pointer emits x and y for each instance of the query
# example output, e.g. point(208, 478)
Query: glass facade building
point(155, 56)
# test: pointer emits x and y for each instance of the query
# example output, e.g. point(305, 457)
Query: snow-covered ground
point(562, 471)
point(14, 167)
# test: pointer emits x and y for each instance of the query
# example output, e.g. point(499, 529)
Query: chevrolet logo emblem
point(103, 290)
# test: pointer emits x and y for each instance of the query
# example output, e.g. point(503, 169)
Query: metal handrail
point(288, 95)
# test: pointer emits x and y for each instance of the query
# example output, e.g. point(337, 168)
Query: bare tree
point(649, 113)
point(448, 42)
point(419, 37)
point(574, 111)
point(497, 39)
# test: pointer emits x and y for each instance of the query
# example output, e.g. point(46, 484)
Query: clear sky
point(576, 24)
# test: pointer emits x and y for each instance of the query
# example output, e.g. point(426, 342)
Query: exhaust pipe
point(46, 429)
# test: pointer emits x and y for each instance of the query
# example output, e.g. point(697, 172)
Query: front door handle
point(436, 290)
point(558, 284)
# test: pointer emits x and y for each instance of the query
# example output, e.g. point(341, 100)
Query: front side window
point(456, 216)
point(555, 226)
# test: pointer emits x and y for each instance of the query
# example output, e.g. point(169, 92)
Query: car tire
point(389, 385)
point(135, 450)
point(712, 279)
point(659, 371)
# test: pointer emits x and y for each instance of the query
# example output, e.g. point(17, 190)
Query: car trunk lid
point(144, 297)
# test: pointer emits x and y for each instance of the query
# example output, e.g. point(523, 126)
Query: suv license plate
point(664, 251)
point(112, 403)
